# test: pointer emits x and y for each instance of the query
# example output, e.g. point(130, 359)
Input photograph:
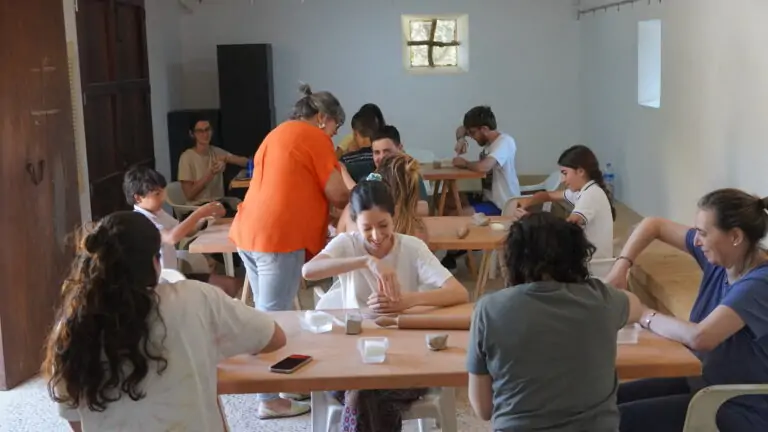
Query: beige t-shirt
point(202, 327)
point(193, 166)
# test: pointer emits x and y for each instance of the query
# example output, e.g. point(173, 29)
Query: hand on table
point(460, 162)
point(381, 303)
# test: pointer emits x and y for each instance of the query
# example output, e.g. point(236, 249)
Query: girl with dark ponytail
point(129, 353)
point(586, 192)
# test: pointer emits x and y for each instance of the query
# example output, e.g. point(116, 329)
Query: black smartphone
point(290, 364)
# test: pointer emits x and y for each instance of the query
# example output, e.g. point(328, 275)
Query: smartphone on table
point(290, 364)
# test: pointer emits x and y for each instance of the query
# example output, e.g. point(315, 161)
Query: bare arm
point(451, 293)
point(323, 266)
point(481, 395)
point(193, 188)
point(636, 308)
point(705, 336)
point(348, 180)
point(236, 160)
point(650, 229)
point(278, 340)
point(189, 225)
point(336, 191)
point(482, 166)
point(541, 197)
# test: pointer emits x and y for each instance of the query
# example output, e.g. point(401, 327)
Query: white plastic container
point(373, 349)
point(317, 322)
point(628, 335)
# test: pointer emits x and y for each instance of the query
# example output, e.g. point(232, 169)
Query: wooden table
point(215, 239)
point(447, 177)
point(440, 230)
point(442, 235)
point(240, 183)
point(337, 364)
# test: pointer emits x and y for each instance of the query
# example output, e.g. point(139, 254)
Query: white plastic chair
point(332, 299)
point(174, 196)
point(551, 184)
point(702, 410)
point(171, 276)
point(438, 404)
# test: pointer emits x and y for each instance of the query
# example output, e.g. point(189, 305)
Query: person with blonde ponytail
point(400, 172)
point(130, 353)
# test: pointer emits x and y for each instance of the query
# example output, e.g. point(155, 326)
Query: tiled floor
point(28, 409)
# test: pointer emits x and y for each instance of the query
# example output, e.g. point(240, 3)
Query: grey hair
point(312, 104)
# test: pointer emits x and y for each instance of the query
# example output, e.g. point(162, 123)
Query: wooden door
point(38, 180)
point(116, 96)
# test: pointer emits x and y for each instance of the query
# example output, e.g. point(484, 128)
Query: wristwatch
point(646, 323)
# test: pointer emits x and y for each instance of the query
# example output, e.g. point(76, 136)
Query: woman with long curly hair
point(401, 173)
point(129, 353)
point(542, 353)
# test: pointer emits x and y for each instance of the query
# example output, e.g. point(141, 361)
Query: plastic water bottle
point(249, 169)
point(609, 178)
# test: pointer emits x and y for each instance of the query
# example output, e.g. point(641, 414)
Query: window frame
point(461, 43)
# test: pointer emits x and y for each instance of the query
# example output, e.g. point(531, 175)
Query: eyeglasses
point(208, 129)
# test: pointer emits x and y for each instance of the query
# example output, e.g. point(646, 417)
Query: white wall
point(712, 128)
point(524, 62)
point(164, 54)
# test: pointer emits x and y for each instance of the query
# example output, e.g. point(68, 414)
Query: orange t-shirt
point(285, 208)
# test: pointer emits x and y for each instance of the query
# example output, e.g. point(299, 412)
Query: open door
point(114, 71)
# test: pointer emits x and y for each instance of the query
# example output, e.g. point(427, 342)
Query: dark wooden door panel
point(99, 133)
point(110, 189)
point(94, 32)
point(115, 78)
point(39, 180)
point(131, 38)
point(135, 120)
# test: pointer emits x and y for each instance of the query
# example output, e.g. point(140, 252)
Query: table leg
point(435, 196)
point(482, 274)
point(229, 265)
point(471, 264)
point(443, 193)
point(456, 197)
point(245, 290)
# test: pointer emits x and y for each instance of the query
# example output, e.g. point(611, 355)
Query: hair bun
point(305, 89)
point(96, 241)
point(763, 203)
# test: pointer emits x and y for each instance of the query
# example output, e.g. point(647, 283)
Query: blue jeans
point(275, 280)
point(660, 405)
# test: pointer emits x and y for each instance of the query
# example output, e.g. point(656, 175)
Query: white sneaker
point(296, 396)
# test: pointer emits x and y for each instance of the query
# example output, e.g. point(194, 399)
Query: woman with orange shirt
point(283, 220)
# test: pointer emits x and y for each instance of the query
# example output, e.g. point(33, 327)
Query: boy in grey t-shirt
point(545, 348)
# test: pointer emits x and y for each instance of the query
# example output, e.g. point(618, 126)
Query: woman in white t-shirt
point(586, 192)
point(127, 353)
point(384, 271)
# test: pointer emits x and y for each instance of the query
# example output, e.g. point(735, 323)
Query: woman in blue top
point(728, 327)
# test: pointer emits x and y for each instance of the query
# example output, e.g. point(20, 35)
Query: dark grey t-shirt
point(550, 349)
